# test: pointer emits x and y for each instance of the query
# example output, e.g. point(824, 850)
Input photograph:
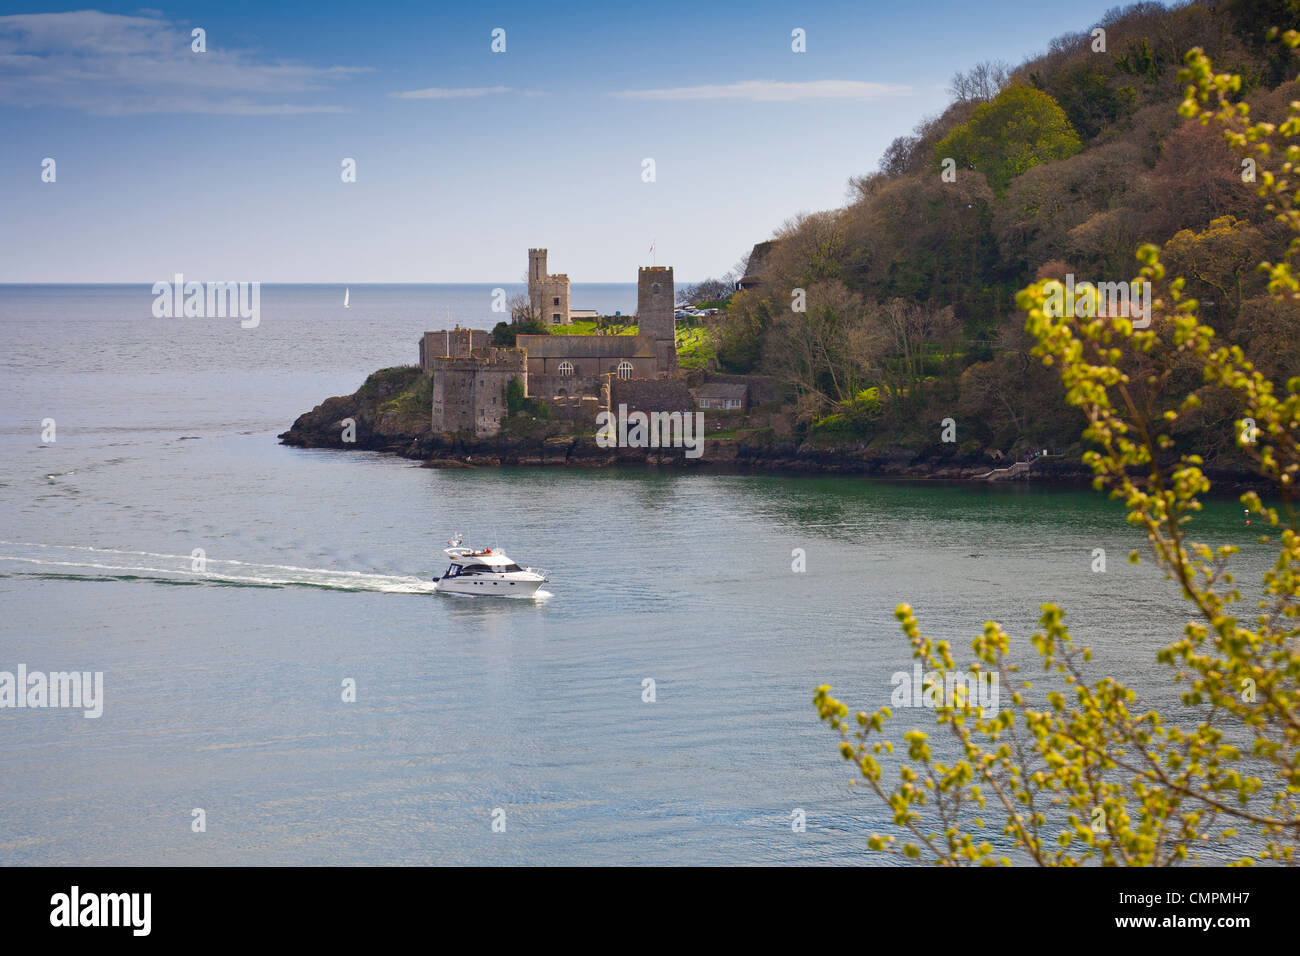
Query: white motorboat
point(487, 572)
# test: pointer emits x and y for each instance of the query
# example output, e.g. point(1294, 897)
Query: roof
point(465, 556)
point(720, 390)
point(757, 261)
point(587, 346)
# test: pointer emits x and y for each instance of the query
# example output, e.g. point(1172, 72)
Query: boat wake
point(72, 562)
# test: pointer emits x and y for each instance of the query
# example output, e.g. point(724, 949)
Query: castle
point(575, 374)
point(548, 295)
point(470, 379)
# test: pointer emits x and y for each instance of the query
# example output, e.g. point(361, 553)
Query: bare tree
point(828, 352)
point(910, 330)
point(981, 82)
point(897, 158)
point(707, 291)
point(521, 309)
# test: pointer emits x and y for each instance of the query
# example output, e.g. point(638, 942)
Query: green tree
point(503, 333)
point(1219, 263)
point(1018, 129)
point(515, 398)
point(1088, 773)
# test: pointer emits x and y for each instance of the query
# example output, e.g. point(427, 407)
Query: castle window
point(555, 319)
point(655, 288)
point(555, 301)
point(625, 370)
point(566, 368)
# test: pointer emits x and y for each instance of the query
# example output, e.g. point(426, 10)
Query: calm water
point(223, 691)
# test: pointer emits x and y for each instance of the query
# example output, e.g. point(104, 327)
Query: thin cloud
point(771, 91)
point(114, 65)
point(443, 93)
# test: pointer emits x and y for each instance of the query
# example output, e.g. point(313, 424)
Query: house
point(722, 396)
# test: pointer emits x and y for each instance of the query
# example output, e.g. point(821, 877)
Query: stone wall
point(451, 343)
point(762, 389)
point(575, 408)
point(469, 394)
point(655, 395)
point(552, 301)
point(591, 357)
point(547, 387)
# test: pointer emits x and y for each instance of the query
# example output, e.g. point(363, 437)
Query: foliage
point(1004, 138)
point(1089, 774)
point(503, 333)
point(1142, 176)
point(387, 382)
point(416, 398)
point(517, 403)
point(710, 290)
point(738, 339)
point(515, 397)
point(853, 418)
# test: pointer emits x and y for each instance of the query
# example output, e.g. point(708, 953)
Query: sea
point(281, 686)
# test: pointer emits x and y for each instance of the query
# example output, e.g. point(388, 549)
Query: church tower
point(656, 299)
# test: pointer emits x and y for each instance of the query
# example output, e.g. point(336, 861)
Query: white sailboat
point(346, 293)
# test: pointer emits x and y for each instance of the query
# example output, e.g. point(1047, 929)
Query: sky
point(227, 164)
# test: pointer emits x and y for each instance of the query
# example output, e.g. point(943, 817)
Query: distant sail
point(346, 292)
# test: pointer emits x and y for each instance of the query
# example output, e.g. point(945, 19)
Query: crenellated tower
point(656, 299)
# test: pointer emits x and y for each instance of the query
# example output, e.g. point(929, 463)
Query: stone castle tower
point(548, 294)
point(469, 391)
point(536, 266)
point(656, 299)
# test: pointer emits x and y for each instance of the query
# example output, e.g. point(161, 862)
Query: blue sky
point(226, 165)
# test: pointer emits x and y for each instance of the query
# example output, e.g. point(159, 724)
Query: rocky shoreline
point(383, 420)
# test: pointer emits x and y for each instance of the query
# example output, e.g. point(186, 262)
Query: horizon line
point(491, 282)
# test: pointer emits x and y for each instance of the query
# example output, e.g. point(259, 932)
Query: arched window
point(566, 368)
point(625, 370)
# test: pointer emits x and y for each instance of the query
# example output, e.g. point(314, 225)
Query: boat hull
point(489, 586)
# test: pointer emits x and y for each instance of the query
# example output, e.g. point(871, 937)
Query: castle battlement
point(451, 343)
